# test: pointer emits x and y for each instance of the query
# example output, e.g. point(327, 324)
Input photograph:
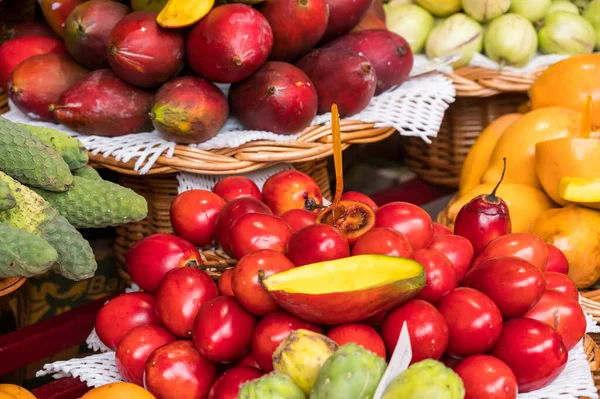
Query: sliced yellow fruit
point(346, 290)
point(182, 13)
point(566, 157)
point(584, 191)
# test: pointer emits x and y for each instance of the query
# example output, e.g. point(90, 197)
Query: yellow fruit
point(118, 390)
point(568, 83)
point(525, 203)
point(580, 190)
point(517, 144)
point(567, 157)
point(301, 355)
point(182, 13)
point(11, 391)
point(575, 231)
point(480, 154)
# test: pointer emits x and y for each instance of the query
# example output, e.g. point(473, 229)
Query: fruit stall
point(243, 266)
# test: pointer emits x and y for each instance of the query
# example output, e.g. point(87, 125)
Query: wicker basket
point(482, 95)
point(12, 13)
point(440, 162)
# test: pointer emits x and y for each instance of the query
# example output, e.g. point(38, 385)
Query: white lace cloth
point(415, 108)
point(100, 369)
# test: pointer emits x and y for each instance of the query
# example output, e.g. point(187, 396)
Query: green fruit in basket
point(511, 40)
point(457, 34)
point(272, 386)
point(7, 201)
point(350, 373)
point(33, 214)
point(484, 11)
point(411, 22)
point(70, 149)
point(148, 5)
point(87, 172)
point(440, 8)
point(567, 33)
point(23, 254)
point(532, 10)
point(426, 379)
point(97, 203)
point(29, 160)
point(592, 14)
point(562, 5)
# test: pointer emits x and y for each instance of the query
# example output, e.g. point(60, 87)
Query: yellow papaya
point(568, 83)
point(480, 154)
point(517, 144)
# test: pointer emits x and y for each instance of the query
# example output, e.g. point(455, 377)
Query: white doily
point(415, 108)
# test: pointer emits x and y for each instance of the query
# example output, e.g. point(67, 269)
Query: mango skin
point(189, 110)
point(87, 28)
point(124, 108)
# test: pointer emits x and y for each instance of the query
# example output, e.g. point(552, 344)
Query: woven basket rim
point(486, 82)
point(313, 144)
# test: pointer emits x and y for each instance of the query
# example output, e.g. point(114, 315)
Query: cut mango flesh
point(344, 275)
point(181, 13)
point(579, 189)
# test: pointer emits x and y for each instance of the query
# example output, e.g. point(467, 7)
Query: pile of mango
point(47, 191)
point(552, 179)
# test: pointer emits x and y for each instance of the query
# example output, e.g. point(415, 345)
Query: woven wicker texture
point(12, 13)
point(485, 82)
point(441, 161)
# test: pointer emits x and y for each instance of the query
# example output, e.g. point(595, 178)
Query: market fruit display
point(321, 321)
point(508, 32)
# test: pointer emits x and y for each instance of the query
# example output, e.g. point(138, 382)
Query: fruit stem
point(492, 197)
point(261, 278)
point(336, 138)
point(586, 118)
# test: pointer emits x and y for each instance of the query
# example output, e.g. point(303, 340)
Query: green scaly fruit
point(426, 379)
point(272, 386)
point(87, 172)
point(352, 372)
point(23, 254)
point(36, 216)
point(70, 149)
point(7, 201)
point(97, 203)
point(31, 161)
